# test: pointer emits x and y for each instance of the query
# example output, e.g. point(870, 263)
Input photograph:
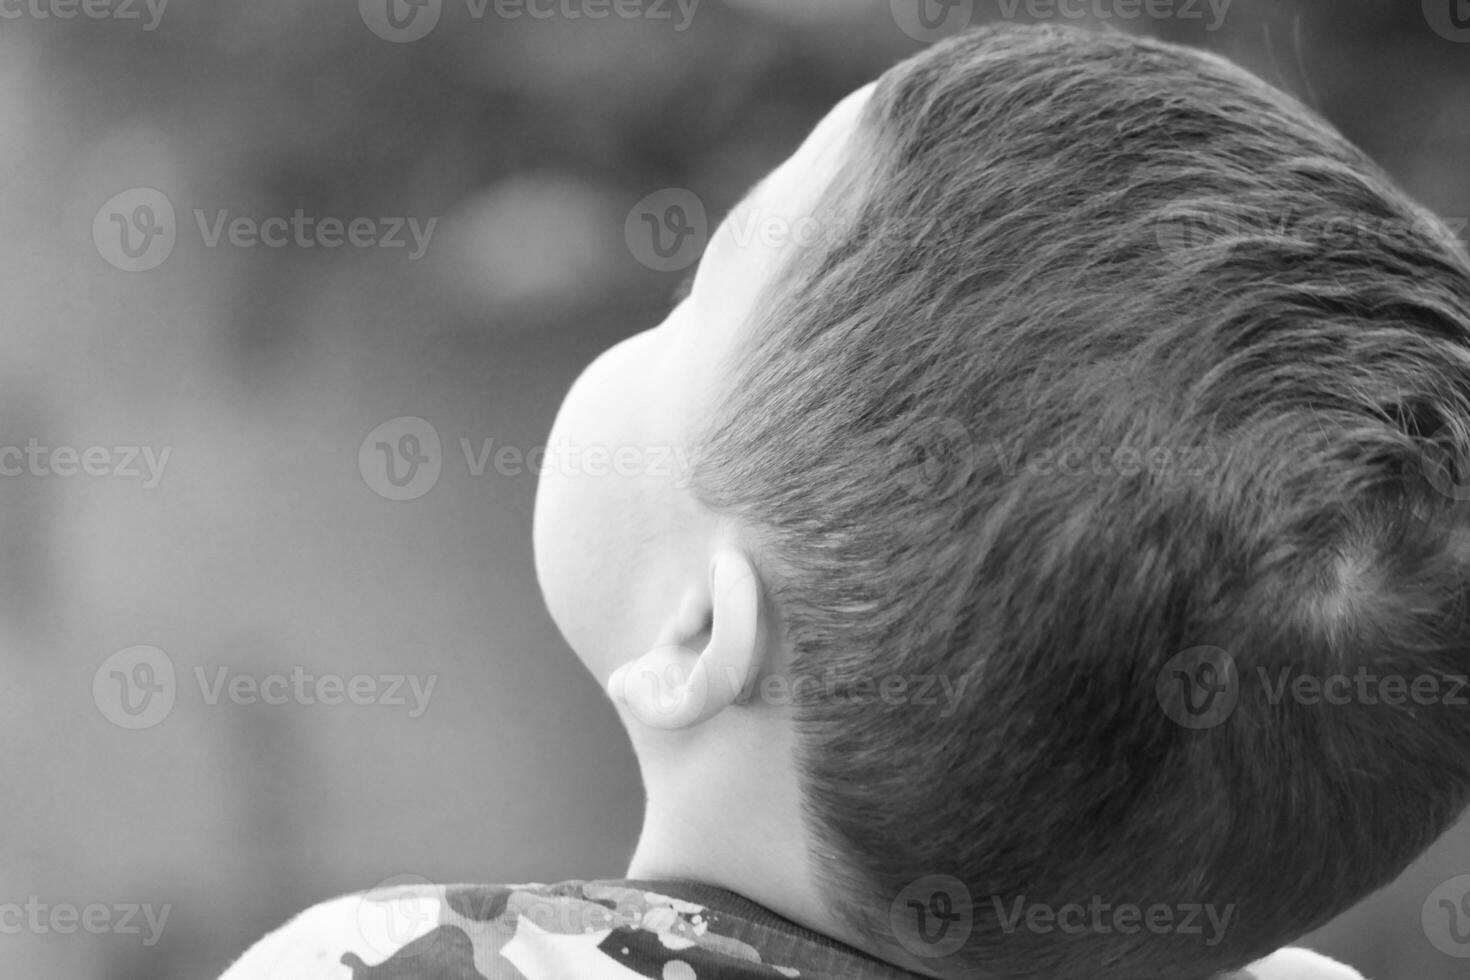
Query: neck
point(736, 825)
point(724, 808)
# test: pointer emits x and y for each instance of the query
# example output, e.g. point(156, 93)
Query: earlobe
point(672, 686)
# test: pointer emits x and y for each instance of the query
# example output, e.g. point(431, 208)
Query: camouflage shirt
point(594, 930)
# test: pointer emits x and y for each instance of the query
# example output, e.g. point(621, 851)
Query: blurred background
point(140, 319)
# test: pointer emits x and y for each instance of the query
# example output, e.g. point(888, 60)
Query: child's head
point(1191, 355)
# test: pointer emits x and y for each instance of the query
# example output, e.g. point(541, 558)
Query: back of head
point(1203, 379)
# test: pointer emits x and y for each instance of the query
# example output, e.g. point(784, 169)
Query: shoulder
point(303, 947)
point(347, 938)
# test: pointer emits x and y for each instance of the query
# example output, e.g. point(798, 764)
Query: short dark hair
point(1047, 239)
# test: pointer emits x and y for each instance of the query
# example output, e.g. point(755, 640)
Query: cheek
point(588, 522)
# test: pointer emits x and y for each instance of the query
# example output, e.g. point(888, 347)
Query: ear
point(672, 686)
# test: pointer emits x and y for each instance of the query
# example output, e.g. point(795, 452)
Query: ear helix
point(671, 686)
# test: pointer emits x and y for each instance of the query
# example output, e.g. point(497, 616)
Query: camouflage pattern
point(594, 930)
